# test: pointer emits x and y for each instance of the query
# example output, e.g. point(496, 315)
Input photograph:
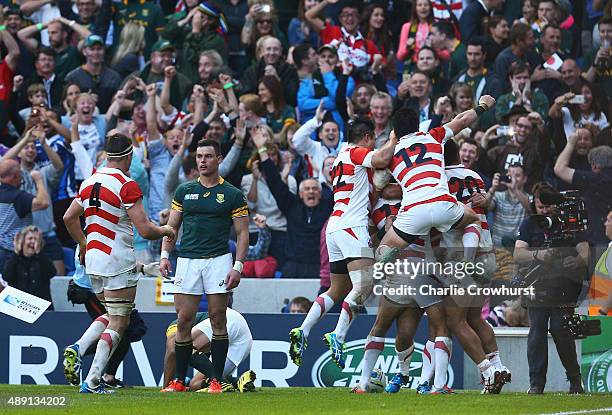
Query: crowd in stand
point(172, 73)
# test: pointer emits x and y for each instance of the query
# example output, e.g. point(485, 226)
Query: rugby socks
point(202, 364)
point(106, 346)
point(470, 239)
point(404, 358)
point(321, 305)
point(218, 351)
point(495, 359)
point(348, 313)
point(182, 351)
point(442, 352)
point(428, 362)
point(92, 334)
point(374, 346)
point(117, 357)
point(484, 365)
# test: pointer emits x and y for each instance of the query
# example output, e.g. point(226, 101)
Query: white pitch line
point(583, 411)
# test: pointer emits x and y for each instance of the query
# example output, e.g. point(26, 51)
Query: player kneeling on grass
point(207, 208)
point(112, 205)
point(348, 242)
point(240, 342)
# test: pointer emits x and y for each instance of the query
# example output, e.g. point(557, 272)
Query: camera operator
point(600, 290)
point(561, 271)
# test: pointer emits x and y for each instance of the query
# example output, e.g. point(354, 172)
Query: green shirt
point(66, 61)
point(208, 215)
point(603, 73)
point(145, 13)
point(458, 61)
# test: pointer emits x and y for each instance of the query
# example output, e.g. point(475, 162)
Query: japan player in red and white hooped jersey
point(111, 203)
point(348, 240)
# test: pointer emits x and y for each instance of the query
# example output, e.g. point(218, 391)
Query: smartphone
point(266, 8)
point(577, 99)
point(504, 130)
point(505, 178)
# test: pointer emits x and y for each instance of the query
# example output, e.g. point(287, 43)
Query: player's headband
point(122, 152)
point(119, 154)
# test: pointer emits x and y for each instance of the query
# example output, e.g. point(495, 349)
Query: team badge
point(220, 198)
point(145, 13)
point(206, 194)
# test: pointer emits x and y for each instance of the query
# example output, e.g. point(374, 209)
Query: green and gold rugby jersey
point(208, 215)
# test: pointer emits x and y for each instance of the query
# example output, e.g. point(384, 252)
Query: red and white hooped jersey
point(463, 183)
point(106, 196)
point(382, 210)
point(418, 166)
point(351, 179)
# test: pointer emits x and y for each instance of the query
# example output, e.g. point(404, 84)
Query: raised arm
point(382, 157)
point(562, 168)
point(151, 117)
point(30, 6)
point(312, 15)
point(13, 49)
point(466, 118)
point(169, 74)
point(81, 31)
point(26, 36)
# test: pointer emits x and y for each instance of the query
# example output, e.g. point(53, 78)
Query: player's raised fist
point(487, 100)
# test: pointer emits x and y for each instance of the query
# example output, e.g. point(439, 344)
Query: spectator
point(315, 151)
point(67, 57)
point(27, 269)
point(261, 21)
point(210, 62)
point(585, 141)
point(25, 149)
point(299, 305)
point(381, 106)
point(571, 76)
point(178, 25)
point(530, 14)
point(549, 79)
point(235, 12)
point(44, 65)
point(575, 114)
point(347, 38)
point(129, 57)
point(162, 56)
point(206, 24)
point(93, 16)
point(16, 205)
point(594, 185)
point(37, 96)
point(429, 63)
point(472, 17)
point(509, 203)
point(522, 93)
point(415, 93)
point(7, 71)
point(94, 75)
point(299, 167)
point(260, 199)
point(415, 32)
point(145, 13)
point(41, 13)
point(470, 155)
point(448, 48)
point(278, 114)
point(375, 28)
point(271, 64)
point(14, 22)
point(522, 43)
point(600, 60)
point(495, 39)
point(306, 214)
point(300, 30)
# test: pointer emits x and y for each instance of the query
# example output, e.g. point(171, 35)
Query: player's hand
point(168, 232)
point(232, 280)
point(478, 200)
point(389, 222)
point(151, 269)
point(165, 268)
point(487, 100)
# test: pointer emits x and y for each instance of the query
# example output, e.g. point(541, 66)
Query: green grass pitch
point(300, 401)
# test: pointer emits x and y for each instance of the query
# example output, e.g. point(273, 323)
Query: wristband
point(39, 26)
point(164, 255)
point(72, 22)
point(480, 109)
point(2, 27)
point(262, 149)
point(228, 85)
point(238, 266)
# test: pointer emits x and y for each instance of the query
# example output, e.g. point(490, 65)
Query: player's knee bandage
point(363, 284)
point(119, 306)
point(386, 253)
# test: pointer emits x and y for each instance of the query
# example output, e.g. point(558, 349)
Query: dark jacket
point(304, 224)
point(287, 73)
point(57, 88)
point(470, 23)
point(101, 19)
point(31, 275)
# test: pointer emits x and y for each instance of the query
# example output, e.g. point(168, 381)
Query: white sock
point(442, 351)
point(106, 346)
point(322, 304)
point(484, 365)
point(92, 334)
point(349, 311)
point(495, 359)
point(404, 358)
point(374, 346)
point(428, 362)
point(470, 239)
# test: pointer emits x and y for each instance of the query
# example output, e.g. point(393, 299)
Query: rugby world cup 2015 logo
point(325, 373)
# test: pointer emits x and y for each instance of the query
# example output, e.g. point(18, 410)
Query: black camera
point(579, 327)
point(570, 217)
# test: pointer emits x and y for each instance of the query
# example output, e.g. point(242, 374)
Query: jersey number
point(420, 158)
point(457, 186)
point(94, 197)
point(337, 182)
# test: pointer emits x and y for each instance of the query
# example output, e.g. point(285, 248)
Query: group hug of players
point(422, 164)
point(418, 219)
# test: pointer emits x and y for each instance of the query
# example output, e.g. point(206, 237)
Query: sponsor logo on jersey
point(220, 198)
point(206, 194)
point(325, 373)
